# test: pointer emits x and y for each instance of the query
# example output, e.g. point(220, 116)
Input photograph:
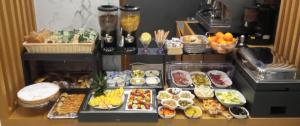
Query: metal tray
point(144, 86)
point(51, 114)
point(228, 68)
point(89, 114)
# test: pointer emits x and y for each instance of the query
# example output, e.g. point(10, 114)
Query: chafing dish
point(261, 71)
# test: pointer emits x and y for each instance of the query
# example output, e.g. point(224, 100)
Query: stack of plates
point(38, 95)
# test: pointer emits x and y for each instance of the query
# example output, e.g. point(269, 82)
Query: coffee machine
point(222, 15)
point(108, 21)
point(260, 23)
point(130, 20)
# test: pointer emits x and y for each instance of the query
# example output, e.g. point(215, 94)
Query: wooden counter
point(29, 117)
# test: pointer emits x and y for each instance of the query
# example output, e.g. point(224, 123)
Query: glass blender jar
point(130, 20)
point(108, 21)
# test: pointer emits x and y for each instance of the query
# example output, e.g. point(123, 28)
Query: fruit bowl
point(222, 43)
point(222, 48)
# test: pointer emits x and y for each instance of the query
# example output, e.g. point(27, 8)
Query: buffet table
point(23, 116)
point(182, 85)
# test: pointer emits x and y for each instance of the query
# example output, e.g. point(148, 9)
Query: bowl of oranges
point(222, 43)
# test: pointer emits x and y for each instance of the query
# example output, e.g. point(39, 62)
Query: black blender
point(108, 20)
point(130, 20)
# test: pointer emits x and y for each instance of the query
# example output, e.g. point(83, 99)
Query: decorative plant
point(98, 84)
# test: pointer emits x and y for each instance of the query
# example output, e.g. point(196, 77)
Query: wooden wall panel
point(16, 20)
point(287, 47)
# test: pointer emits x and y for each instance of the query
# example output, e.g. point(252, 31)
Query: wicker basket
point(59, 47)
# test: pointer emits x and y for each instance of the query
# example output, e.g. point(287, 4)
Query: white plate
point(142, 81)
point(202, 73)
point(236, 92)
point(152, 80)
point(187, 76)
point(224, 77)
point(152, 73)
point(39, 92)
point(204, 92)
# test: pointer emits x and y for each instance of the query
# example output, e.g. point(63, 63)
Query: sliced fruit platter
point(230, 97)
point(111, 99)
point(219, 78)
point(139, 99)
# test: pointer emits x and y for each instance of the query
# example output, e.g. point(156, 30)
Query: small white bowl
point(244, 116)
point(191, 96)
point(152, 73)
point(161, 92)
point(163, 102)
point(137, 81)
point(185, 107)
point(152, 80)
point(174, 91)
point(166, 116)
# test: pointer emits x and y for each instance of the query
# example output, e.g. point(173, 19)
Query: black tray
point(144, 86)
point(89, 114)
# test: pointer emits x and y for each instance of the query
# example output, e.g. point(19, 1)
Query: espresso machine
point(260, 23)
point(222, 15)
point(130, 20)
point(108, 21)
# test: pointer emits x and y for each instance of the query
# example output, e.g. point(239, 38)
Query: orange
point(213, 39)
point(221, 40)
point(219, 35)
point(228, 37)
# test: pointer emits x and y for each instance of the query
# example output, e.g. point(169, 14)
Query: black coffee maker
point(260, 24)
point(108, 21)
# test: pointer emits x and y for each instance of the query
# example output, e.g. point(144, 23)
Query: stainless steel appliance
point(260, 24)
point(222, 15)
point(271, 89)
point(108, 20)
